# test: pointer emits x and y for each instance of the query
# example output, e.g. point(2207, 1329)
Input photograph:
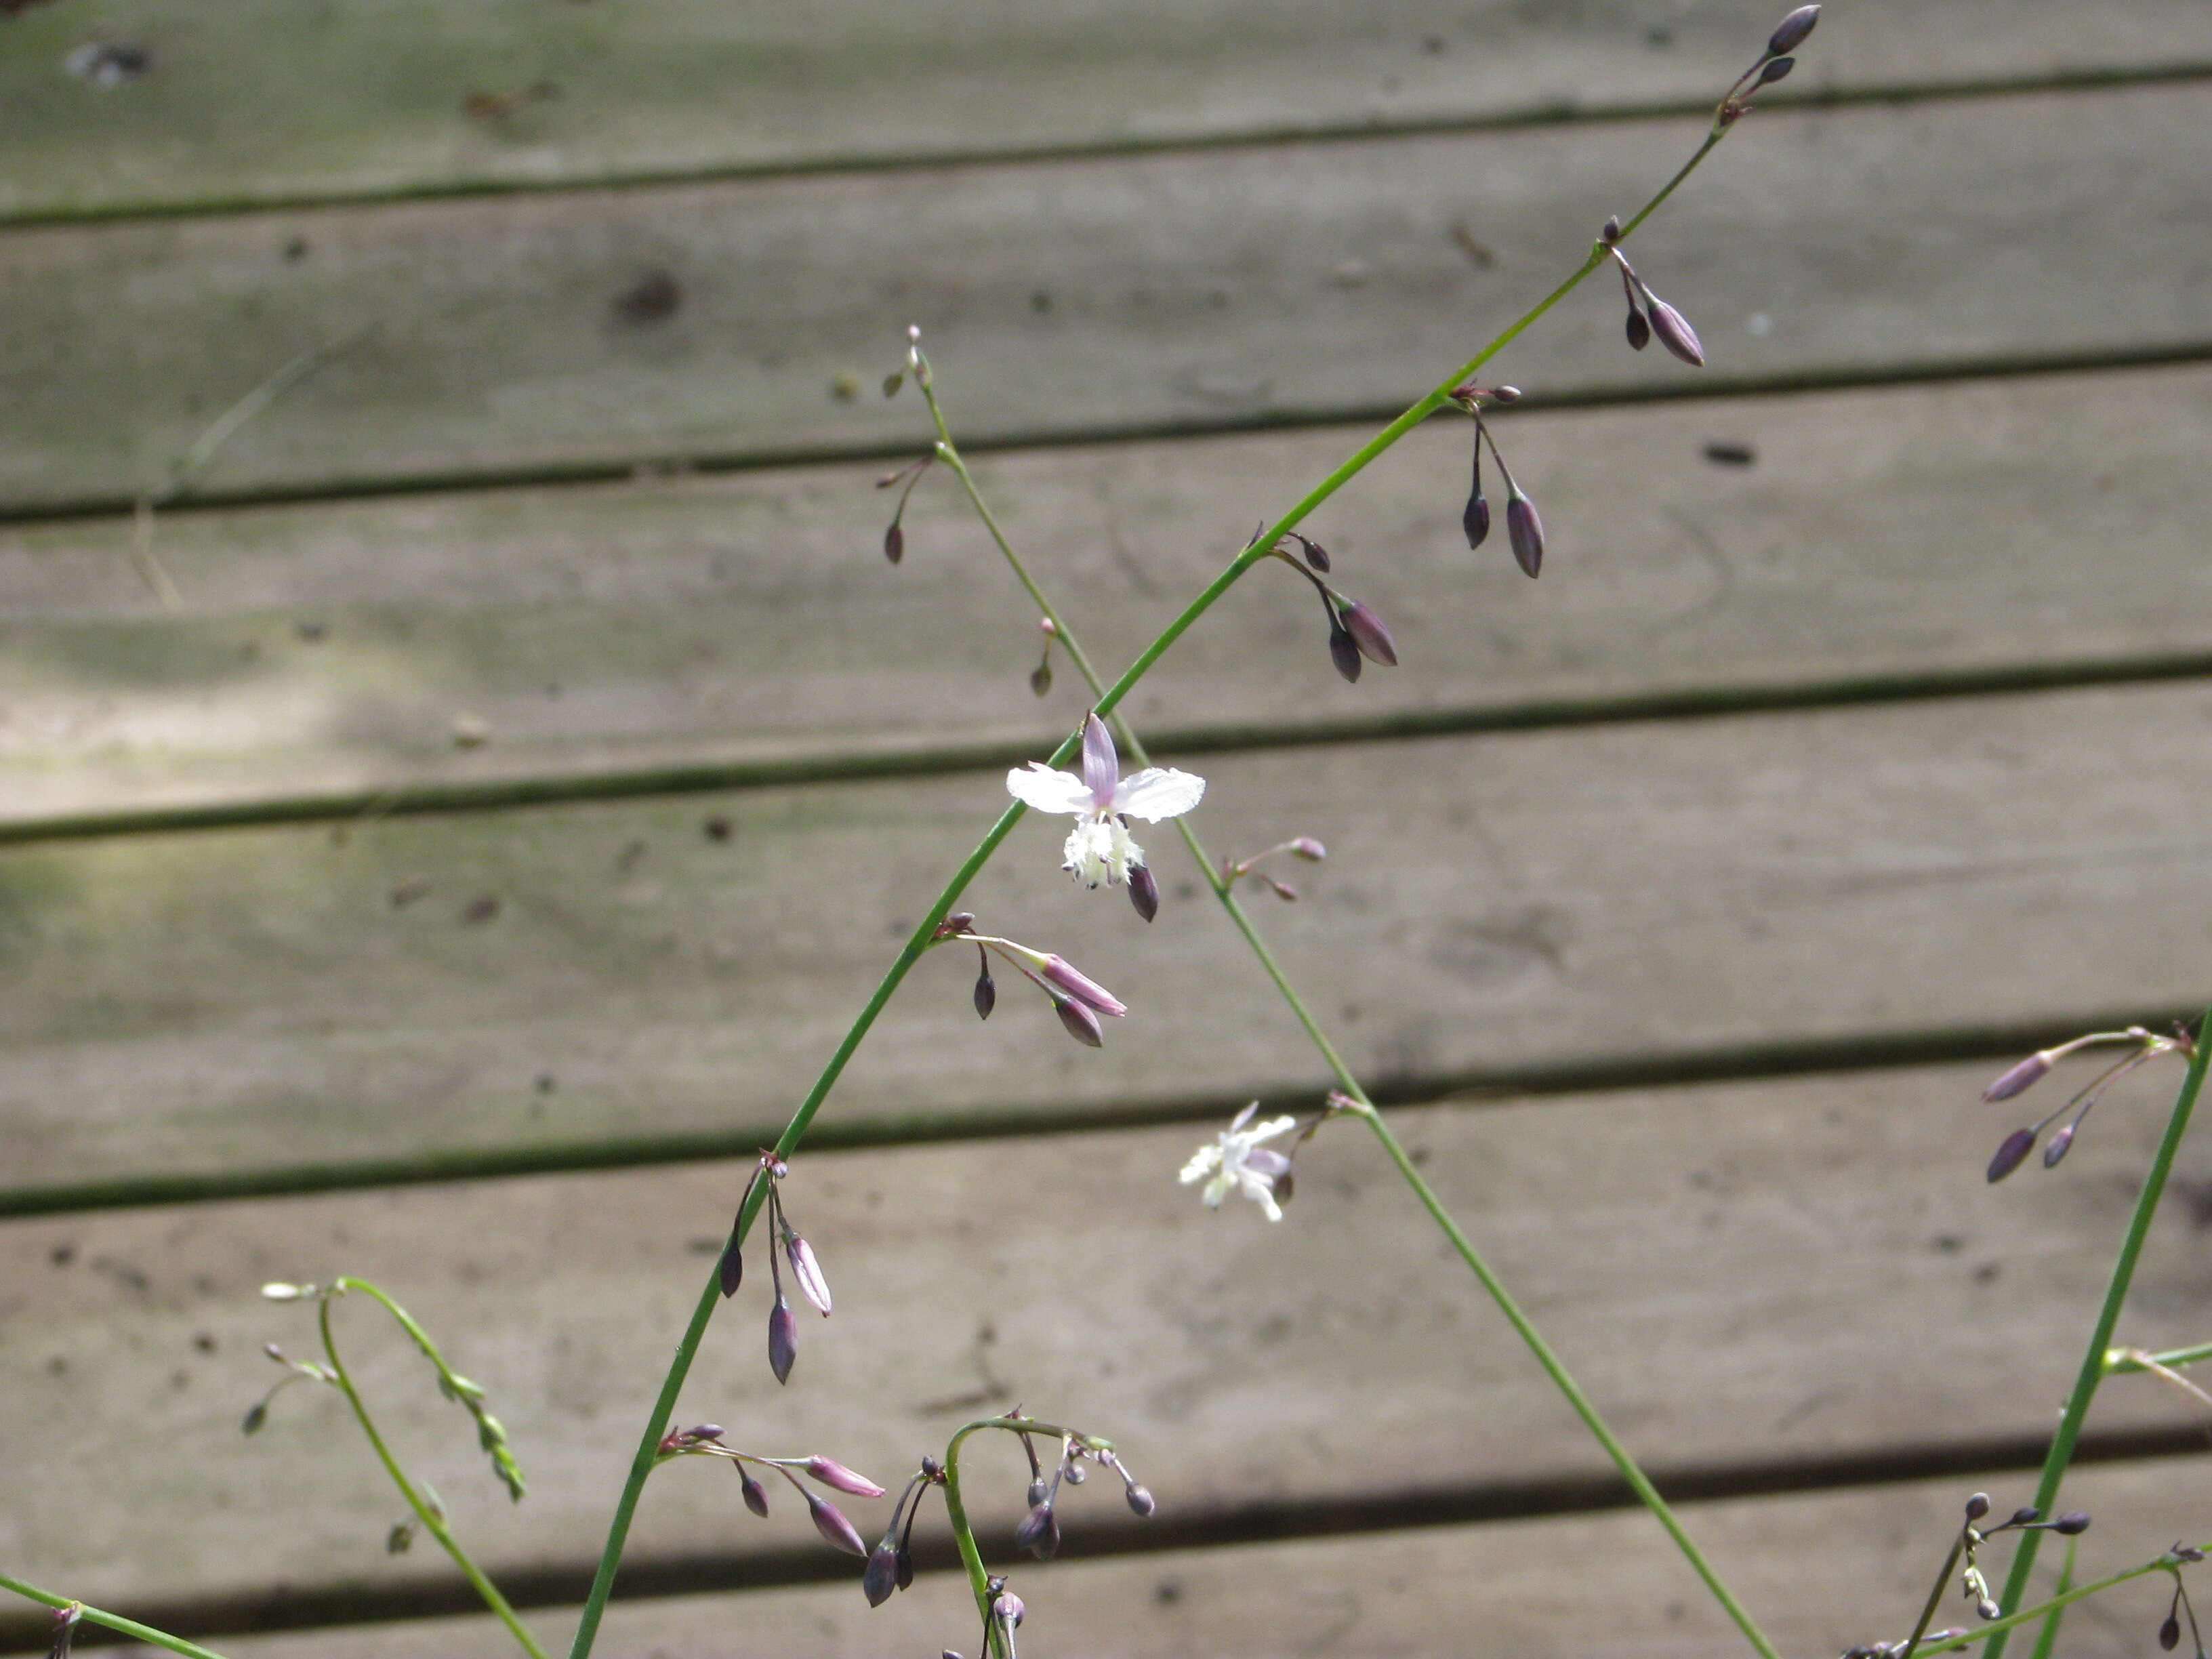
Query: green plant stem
point(2046, 1639)
point(114, 1621)
point(2012, 1621)
point(1935, 1598)
point(963, 1535)
point(433, 1523)
point(2093, 1362)
point(687, 1347)
point(2120, 1361)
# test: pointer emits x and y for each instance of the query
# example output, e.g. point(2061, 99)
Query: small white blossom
point(1238, 1160)
point(1100, 848)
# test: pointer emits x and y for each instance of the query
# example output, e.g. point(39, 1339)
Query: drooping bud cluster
point(1770, 65)
point(895, 533)
point(1649, 314)
point(705, 1440)
point(1299, 846)
point(1973, 1585)
point(1077, 998)
point(891, 1564)
point(1356, 635)
point(1039, 1530)
point(786, 1246)
point(1040, 676)
point(1523, 529)
point(2143, 1045)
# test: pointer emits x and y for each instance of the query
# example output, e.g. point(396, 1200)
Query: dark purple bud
point(894, 542)
point(1008, 1609)
point(2072, 1524)
point(2024, 1515)
point(756, 1494)
point(837, 1531)
point(905, 1567)
point(2011, 1150)
point(1141, 1500)
point(1789, 33)
point(2169, 1633)
point(1675, 333)
point(1074, 1475)
point(1775, 69)
point(1476, 519)
point(1369, 633)
point(893, 381)
point(1610, 231)
point(1317, 555)
point(1978, 1506)
point(1640, 330)
point(2186, 1553)
point(812, 1285)
point(1059, 973)
point(256, 1415)
point(1082, 1024)
point(2019, 1079)
point(782, 1340)
point(2057, 1148)
point(1037, 1490)
point(831, 1473)
point(1144, 892)
point(1040, 678)
point(733, 1272)
point(1526, 531)
point(703, 1432)
point(1344, 654)
point(1039, 1533)
point(987, 992)
point(880, 1581)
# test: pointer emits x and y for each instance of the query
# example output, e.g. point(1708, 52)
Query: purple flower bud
point(756, 1494)
point(1040, 679)
point(2019, 1079)
point(1306, 848)
point(905, 1567)
point(1789, 33)
point(1344, 654)
point(1476, 521)
point(733, 1270)
point(1985, 1608)
point(2169, 1633)
point(782, 1340)
point(812, 1285)
point(2058, 1145)
point(1775, 69)
point(2024, 1515)
point(1037, 1490)
point(2011, 1150)
point(2072, 1523)
point(2186, 1553)
point(1978, 1506)
point(1057, 972)
point(987, 992)
point(1141, 1501)
point(1526, 531)
point(1102, 766)
point(1675, 333)
point(1610, 231)
point(1008, 1609)
point(1082, 1024)
point(256, 1415)
point(831, 1473)
point(837, 1531)
point(704, 1431)
point(1144, 892)
point(1369, 633)
point(894, 542)
point(1039, 1533)
point(879, 1582)
point(1317, 555)
point(1639, 330)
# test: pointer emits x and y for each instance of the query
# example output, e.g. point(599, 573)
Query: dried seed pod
point(880, 1581)
point(1609, 232)
point(1526, 532)
point(808, 1272)
point(782, 1340)
point(2019, 1079)
point(1082, 1024)
point(2011, 1150)
point(1369, 635)
point(756, 1494)
point(1639, 330)
point(1144, 892)
point(1789, 33)
point(837, 1531)
point(831, 1473)
point(1675, 333)
point(1344, 651)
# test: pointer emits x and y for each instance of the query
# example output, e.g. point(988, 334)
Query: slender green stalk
point(2093, 1362)
point(2046, 1639)
point(433, 1521)
point(1935, 1598)
point(1997, 1629)
point(114, 1621)
point(642, 1465)
point(963, 1535)
point(2120, 1361)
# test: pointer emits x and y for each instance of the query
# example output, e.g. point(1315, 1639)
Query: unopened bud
point(2020, 1077)
point(2011, 1150)
point(1610, 231)
point(1057, 971)
point(703, 1432)
point(2056, 1147)
point(1040, 678)
point(1986, 1608)
point(1317, 555)
point(1144, 892)
point(256, 1415)
point(1775, 69)
point(837, 1531)
point(1475, 520)
point(987, 992)
point(1789, 33)
point(1675, 333)
point(281, 1293)
point(733, 1269)
point(1639, 330)
point(756, 1494)
point(1037, 1490)
point(894, 542)
point(880, 1581)
point(1141, 1501)
point(1082, 1024)
point(2169, 1633)
point(2025, 1515)
point(1369, 633)
point(892, 381)
point(65, 1622)
point(1008, 1609)
point(1074, 1475)
point(1344, 654)
point(2186, 1553)
point(782, 1340)
point(831, 1473)
point(1978, 1506)
point(905, 1568)
point(1039, 1533)
point(1306, 848)
point(2071, 1524)
point(1526, 531)
point(808, 1272)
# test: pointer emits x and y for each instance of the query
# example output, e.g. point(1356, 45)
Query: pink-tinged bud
point(1675, 333)
point(837, 1531)
point(987, 992)
point(1057, 971)
point(733, 1270)
point(1082, 1024)
point(782, 1340)
point(2020, 1077)
point(756, 1494)
point(2013, 1148)
point(1102, 766)
point(1639, 330)
point(1306, 848)
point(1775, 69)
point(1344, 653)
point(1141, 1501)
point(1369, 633)
point(831, 1473)
point(1039, 1533)
point(65, 1621)
point(808, 1272)
point(1144, 892)
point(1526, 532)
point(2057, 1146)
point(894, 542)
point(703, 1431)
point(880, 1581)
point(1009, 1609)
point(1789, 33)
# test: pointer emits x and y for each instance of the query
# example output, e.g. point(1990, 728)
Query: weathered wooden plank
point(1818, 1572)
point(1751, 1278)
point(1522, 903)
point(264, 102)
point(1221, 289)
point(632, 634)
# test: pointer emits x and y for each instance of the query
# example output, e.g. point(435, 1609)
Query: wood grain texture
point(627, 635)
point(1746, 1277)
point(1527, 903)
point(1084, 296)
point(266, 102)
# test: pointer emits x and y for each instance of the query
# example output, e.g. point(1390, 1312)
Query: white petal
point(1158, 792)
point(1203, 1163)
point(1088, 852)
point(1037, 785)
point(1121, 852)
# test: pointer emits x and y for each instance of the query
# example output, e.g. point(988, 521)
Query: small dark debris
point(180, 1379)
point(717, 828)
point(109, 64)
point(1167, 1592)
point(62, 1254)
point(58, 1365)
point(124, 1273)
point(314, 633)
point(204, 1341)
point(296, 249)
point(1948, 1244)
point(704, 1246)
point(406, 892)
point(1658, 35)
point(1417, 1158)
point(653, 298)
point(1724, 451)
point(1040, 302)
point(1433, 45)
point(1479, 253)
point(546, 1082)
point(481, 909)
point(481, 106)
point(627, 860)
point(1988, 1272)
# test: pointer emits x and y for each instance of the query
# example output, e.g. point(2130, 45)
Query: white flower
point(1238, 1160)
point(1100, 848)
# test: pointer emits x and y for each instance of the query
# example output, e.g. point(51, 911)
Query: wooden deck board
point(1083, 297)
point(263, 101)
point(1731, 1269)
point(1612, 896)
point(626, 636)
